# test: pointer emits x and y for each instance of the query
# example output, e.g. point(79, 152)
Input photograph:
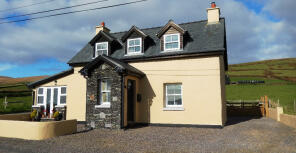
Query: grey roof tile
point(200, 37)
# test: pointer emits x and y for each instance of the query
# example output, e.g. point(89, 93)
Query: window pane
point(178, 89)
point(103, 85)
point(170, 89)
point(105, 97)
point(101, 52)
point(178, 100)
point(55, 96)
point(137, 49)
point(137, 42)
point(104, 46)
point(63, 90)
point(131, 49)
point(99, 46)
point(168, 38)
point(170, 100)
point(63, 100)
point(168, 45)
point(108, 85)
point(48, 97)
point(175, 45)
point(40, 91)
point(131, 42)
point(40, 99)
point(174, 37)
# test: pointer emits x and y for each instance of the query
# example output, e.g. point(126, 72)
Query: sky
point(255, 29)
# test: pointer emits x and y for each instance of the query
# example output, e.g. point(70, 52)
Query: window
point(101, 48)
point(63, 95)
point(105, 92)
point(134, 46)
point(173, 95)
point(40, 96)
point(171, 42)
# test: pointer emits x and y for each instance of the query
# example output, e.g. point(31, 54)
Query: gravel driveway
point(247, 135)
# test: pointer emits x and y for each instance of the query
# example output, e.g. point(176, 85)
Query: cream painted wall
point(201, 87)
point(36, 130)
point(76, 94)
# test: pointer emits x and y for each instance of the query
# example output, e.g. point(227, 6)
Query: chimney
point(102, 28)
point(213, 14)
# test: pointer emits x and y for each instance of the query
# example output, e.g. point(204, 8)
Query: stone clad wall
point(103, 117)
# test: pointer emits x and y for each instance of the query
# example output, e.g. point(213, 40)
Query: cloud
point(251, 36)
point(4, 67)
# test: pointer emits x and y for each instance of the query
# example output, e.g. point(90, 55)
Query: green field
point(280, 82)
point(15, 93)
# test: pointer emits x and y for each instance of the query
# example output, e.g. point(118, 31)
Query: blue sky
point(256, 30)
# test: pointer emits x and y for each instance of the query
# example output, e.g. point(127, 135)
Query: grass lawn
point(16, 107)
point(281, 90)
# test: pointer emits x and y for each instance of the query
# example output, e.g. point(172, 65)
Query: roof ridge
point(184, 23)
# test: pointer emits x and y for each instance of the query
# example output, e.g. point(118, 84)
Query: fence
point(248, 107)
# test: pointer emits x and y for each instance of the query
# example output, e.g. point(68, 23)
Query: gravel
point(240, 135)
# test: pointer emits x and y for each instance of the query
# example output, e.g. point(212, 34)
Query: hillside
point(279, 78)
point(282, 69)
point(7, 80)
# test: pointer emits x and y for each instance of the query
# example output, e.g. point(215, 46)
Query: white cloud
point(4, 67)
point(250, 36)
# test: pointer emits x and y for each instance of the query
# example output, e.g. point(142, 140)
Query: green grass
point(16, 107)
point(247, 73)
point(275, 89)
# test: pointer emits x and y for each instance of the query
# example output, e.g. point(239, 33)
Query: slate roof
point(199, 38)
point(50, 78)
point(120, 66)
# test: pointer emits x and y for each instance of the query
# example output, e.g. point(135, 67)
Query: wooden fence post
point(294, 105)
point(266, 106)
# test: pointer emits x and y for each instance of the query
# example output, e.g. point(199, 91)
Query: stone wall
point(103, 117)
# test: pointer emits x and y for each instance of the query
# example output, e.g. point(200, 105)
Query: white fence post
point(5, 102)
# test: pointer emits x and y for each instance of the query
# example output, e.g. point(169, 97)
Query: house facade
point(169, 75)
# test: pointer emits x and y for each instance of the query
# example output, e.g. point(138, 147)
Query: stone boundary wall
point(278, 115)
point(29, 130)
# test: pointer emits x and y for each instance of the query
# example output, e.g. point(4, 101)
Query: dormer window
point(134, 46)
point(172, 42)
point(101, 48)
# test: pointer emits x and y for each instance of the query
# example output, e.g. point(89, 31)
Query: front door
point(51, 100)
point(130, 100)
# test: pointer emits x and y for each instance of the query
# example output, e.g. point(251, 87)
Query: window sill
point(105, 105)
point(173, 109)
point(171, 50)
point(134, 54)
point(60, 106)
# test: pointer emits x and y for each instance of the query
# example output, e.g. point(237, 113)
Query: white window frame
point(38, 94)
point(128, 46)
point(60, 94)
point(173, 107)
point(96, 53)
point(105, 104)
point(171, 49)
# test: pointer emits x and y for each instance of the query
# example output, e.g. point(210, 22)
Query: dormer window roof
point(101, 34)
point(132, 30)
point(170, 24)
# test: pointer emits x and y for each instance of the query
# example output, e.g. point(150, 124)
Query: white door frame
point(51, 100)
